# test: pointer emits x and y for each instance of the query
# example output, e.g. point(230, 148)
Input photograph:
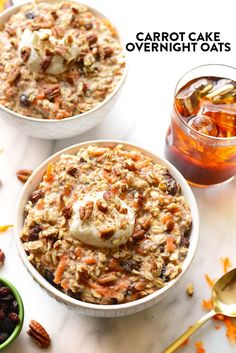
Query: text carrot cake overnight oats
point(107, 225)
point(57, 60)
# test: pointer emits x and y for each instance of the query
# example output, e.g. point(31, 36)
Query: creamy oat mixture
point(107, 225)
point(57, 60)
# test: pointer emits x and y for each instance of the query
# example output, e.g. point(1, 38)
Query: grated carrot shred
point(199, 347)
point(170, 246)
point(226, 263)
point(6, 227)
point(230, 330)
point(185, 343)
point(207, 304)
point(210, 281)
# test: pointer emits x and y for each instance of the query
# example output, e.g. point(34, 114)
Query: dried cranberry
point(13, 316)
point(3, 337)
point(6, 325)
point(4, 292)
point(34, 232)
point(30, 15)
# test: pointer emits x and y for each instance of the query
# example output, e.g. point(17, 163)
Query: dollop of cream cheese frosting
point(109, 229)
point(39, 42)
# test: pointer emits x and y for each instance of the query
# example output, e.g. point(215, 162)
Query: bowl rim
point(19, 300)
point(59, 295)
point(13, 9)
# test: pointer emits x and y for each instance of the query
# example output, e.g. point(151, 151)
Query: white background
point(142, 116)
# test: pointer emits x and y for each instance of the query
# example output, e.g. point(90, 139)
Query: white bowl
point(97, 309)
point(58, 129)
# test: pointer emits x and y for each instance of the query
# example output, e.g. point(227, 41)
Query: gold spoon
point(224, 302)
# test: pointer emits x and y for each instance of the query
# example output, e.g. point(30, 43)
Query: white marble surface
point(140, 116)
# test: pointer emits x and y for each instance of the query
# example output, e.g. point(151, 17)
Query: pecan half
point(25, 53)
point(106, 233)
point(107, 52)
point(39, 334)
point(54, 15)
point(11, 31)
point(92, 39)
point(86, 211)
point(67, 212)
point(23, 174)
point(107, 279)
point(14, 74)
point(88, 26)
point(101, 205)
point(52, 91)
point(45, 63)
point(58, 32)
point(44, 25)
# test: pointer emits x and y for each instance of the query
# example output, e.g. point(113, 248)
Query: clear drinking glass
point(201, 140)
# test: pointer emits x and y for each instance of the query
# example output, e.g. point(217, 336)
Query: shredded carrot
point(209, 281)
point(60, 269)
point(6, 227)
point(90, 260)
point(199, 347)
point(230, 330)
point(226, 263)
point(65, 283)
point(217, 327)
point(170, 246)
point(219, 317)
point(48, 176)
point(207, 304)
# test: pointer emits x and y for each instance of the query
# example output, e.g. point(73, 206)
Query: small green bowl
point(18, 327)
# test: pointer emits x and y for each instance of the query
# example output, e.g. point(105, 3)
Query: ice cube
point(221, 114)
point(202, 86)
point(221, 90)
point(204, 125)
point(187, 102)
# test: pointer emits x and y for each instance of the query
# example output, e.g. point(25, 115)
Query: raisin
point(4, 291)
point(49, 276)
point(13, 316)
point(129, 265)
point(163, 274)
point(184, 242)
point(34, 232)
point(2, 314)
point(3, 337)
point(24, 100)
point(37, 194)
point(30, 15)
point(74, 295)
point(6, 325)
point(14, 307)
point(172, 186)
point(4, 307)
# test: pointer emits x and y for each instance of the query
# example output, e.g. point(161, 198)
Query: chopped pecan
point(67, 212)
point(138, 233)
point(92, 39)
point(108, 278)
point(52, 91)
point(106, 233)
point(11, 31)
point(75, 21)
point(130, 166)
point(75, 10)
point(146, 224)
point(130, 265)
point(72, 171)
point(25, 53)
point(44, 25)
point(45, 63)
point(37, 194)
point(107, 52)
point(58, 31)
point(101, 205)
point(61, 50)
point(108, 195)
point(14, 74)
point(54, 15)
point(86, 211)
point(23, 175)
point(88, 26)
point(39, 334)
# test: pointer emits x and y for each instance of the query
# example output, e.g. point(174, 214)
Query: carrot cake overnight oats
point(107, 225)
point(57, 60)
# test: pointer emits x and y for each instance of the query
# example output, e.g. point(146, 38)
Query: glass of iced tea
point(201, 141)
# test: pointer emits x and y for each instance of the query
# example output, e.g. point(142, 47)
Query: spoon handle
point(179, 341)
